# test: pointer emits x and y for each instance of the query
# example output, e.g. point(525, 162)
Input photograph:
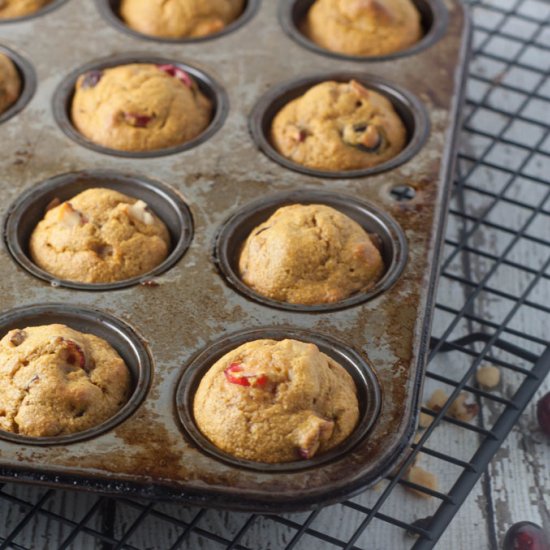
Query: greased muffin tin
point(172, 323)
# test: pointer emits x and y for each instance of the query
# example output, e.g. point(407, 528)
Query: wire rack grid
point(494, 274)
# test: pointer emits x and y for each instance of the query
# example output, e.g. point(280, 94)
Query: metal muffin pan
point(24, 215)
point(368, 393)
point(28, 83)
point(63, 99)
point(121, 336)
point(434, 19)
point(110, 9)
point(408, 107)
point(194, 306)
point(392, 242)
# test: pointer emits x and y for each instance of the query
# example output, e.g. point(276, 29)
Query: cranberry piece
point(543, 413)
point(526, 536)
point(75, 354)
point(178, 73)
point(92, 79)
point(137, 120)
point(235, 375)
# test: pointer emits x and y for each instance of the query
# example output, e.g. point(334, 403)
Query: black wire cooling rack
point(495, 269)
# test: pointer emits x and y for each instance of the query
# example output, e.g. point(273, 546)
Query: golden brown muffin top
point(56, 381)
point(10, 83)
point(363, 27)
point(276, 401)
point(99, 236)
point(140, 107)
point(310, 254)
point(180, 18)
point(19, 8)
point(338, 126)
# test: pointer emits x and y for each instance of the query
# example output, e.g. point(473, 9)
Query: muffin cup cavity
point(110, 10)
point(53, 5)
point(29, 209)
point(233, 233)
point(28, 83)
point(64, 95)
point(368, 393)
point(407, 106)
point(433, 14)
point(117, 333)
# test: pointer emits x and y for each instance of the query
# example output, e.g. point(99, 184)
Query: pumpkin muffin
point(309, 254)
point(57, 381)
point(10, 83)
point(363, 27)
point(99, 236)
point(19, 8)
point(276, 401)
point(180, 18)
point(140, 107)
point(338, 126)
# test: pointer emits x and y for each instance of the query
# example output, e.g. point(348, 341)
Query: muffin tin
point(173, 322)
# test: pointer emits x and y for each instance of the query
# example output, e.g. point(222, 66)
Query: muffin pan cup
point(29, 209)
point(387, 233)
point(196, 306)
point(368, 393)
point(408, 107)
point(110, 9)
point(63, 98)
point(121, 337)
point(433, 19)
point(28, 83)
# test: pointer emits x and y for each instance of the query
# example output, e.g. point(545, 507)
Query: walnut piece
point(421, 477)
point(140, 212)
point(488, 376)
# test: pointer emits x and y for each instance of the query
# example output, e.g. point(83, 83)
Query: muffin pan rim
point(270, 103)
point(55, 4)
point(29, 82)
point(25, 200)
point(108, 13)
point(64, 93)
point(438, 14)
point(19, 318)
point(343, 353)
point(273, 201)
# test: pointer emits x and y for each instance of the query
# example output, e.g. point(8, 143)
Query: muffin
point(19, 8)
point(139, 107)
point(57, 381)
point(10, 83)
point(338, 126)
point(99, 236)
point(180, 18)
point(276, 401)
point(309, 254)
point(363, 27)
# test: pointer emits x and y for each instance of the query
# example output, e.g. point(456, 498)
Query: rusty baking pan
point(210, 195)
